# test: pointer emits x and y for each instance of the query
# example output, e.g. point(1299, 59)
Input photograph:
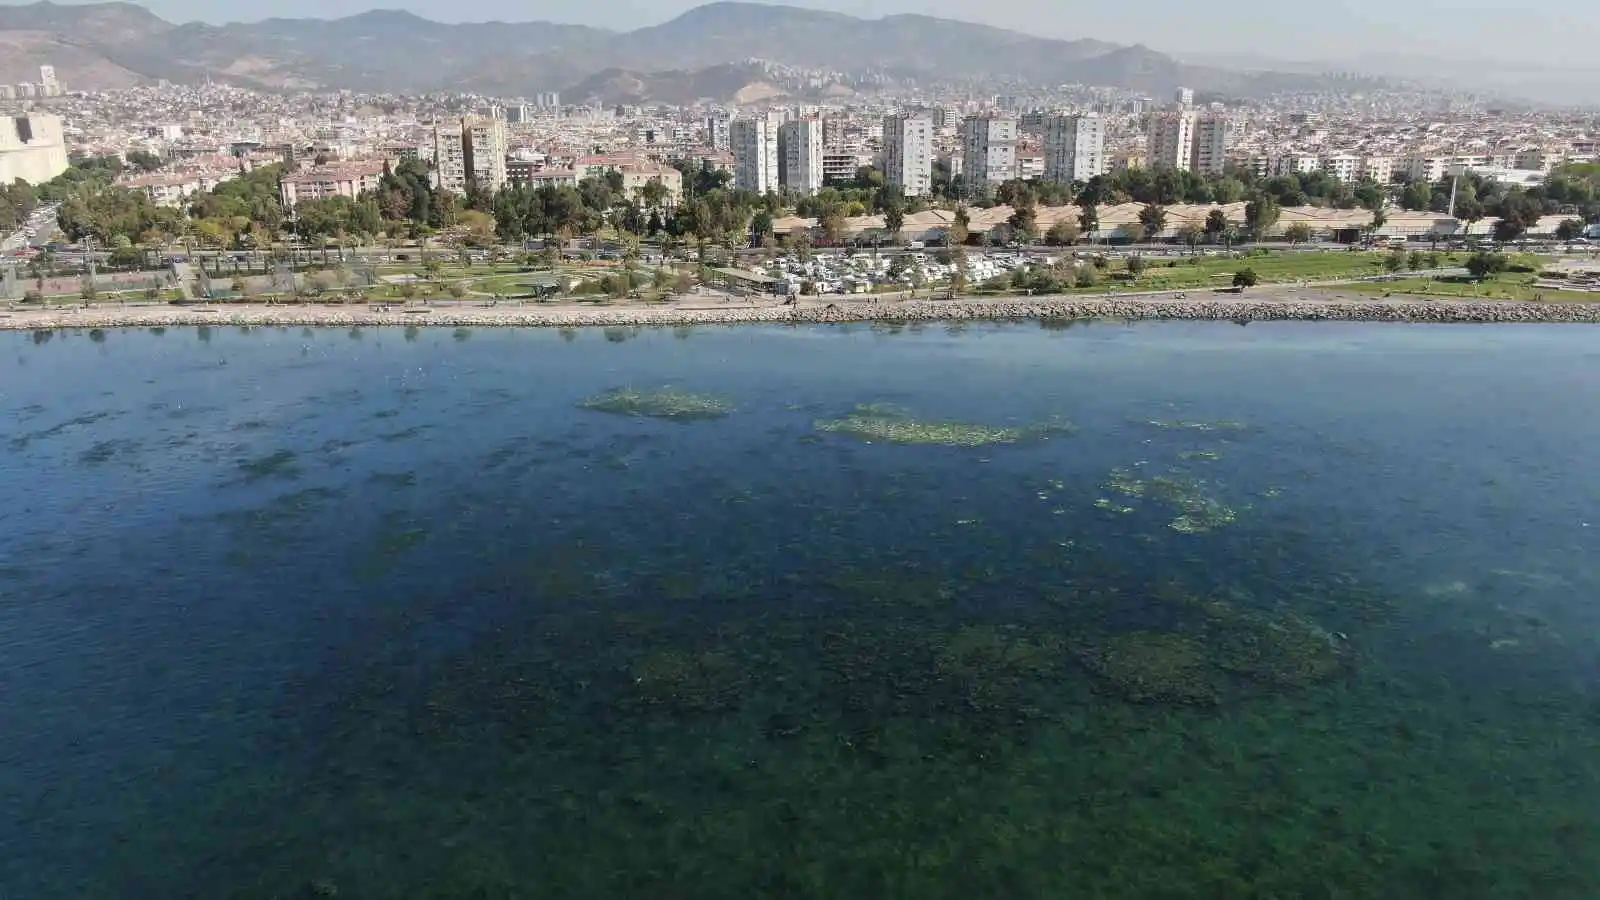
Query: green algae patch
point(1202, 427)
point(686, 682)
point(282, 464)
point(1154, 667)
point(679, 406)
point(1290, 652)
point(1196, 510)
point(880, 423)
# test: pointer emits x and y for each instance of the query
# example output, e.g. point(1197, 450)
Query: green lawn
point(1506, 286)
point(1274, 268)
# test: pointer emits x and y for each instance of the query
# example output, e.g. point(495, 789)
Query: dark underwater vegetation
point(1177, 610)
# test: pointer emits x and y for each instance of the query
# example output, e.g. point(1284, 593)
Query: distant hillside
point(109, 45)
point(725, 83)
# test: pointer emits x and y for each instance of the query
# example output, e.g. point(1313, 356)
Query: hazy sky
point(1556, 31)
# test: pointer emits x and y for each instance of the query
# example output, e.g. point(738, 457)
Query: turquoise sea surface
point(1043, 610)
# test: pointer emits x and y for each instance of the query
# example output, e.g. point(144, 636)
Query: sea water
point(1051, 609)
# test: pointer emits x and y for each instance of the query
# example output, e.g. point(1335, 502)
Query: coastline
point(698, 311)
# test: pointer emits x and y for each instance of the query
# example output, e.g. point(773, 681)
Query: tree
point(1260, 215)
point(1245, 278)
point(1298, 233)
point(1089, 220)
point(894, 219)
point(1569, 229)
point(1394, 261)
point(761, 225)
point(960, 227)
point(1062, 234)
point(1415, 261)
point(1418, 195)
point(1086, 277)
point(1216, 224)
point(480, 228)
point(1509, 228)
point(1470, 211)
point(1191, 234)
point(1482, 265)
point(1379, 219)
point(1024, 215)
point(1136, 265)
point(143, 160)
point(1154, 219)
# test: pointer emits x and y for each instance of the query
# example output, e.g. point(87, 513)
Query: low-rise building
point(343, 179)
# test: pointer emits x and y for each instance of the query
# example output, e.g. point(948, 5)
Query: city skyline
point(1554, 35)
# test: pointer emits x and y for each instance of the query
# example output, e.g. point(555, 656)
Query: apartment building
point(346, 179)
point(1422, 167)
point(1538, 159)
point(1343, 166)
point(717, 133)
point(1378, 168)
point(908, 153)
point(755, 154)
point(841, 165)
point(988, 149)
point(1213, 136)
point(1074, 148)
point(1295, 163)
point(800, 155)
point(1171, 139)
point(32, 148)
point(471, 150)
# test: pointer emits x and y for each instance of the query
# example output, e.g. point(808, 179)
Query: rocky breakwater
point(571, 315)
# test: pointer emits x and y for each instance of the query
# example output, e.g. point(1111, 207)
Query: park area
point(395, 278)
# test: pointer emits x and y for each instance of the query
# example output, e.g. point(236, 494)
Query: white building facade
point(754, 143)
point(800, 146)
point(988, 149)
point(1171, 139)
point(1213, 136)
point(908, 153)
point(470, 150)
point(1074, 148)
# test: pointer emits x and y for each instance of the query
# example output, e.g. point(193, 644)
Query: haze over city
point(1557, 33)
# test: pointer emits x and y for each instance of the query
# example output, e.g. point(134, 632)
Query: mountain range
point(710, 48)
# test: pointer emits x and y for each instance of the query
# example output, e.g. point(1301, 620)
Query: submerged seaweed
point(677, 405)
point(889, 424)
point(1154, 667)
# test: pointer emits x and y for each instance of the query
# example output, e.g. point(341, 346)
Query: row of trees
point(247, 212)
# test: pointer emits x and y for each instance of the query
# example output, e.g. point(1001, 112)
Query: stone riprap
point(574, 315)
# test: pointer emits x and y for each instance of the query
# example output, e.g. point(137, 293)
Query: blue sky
point(1555, 31)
